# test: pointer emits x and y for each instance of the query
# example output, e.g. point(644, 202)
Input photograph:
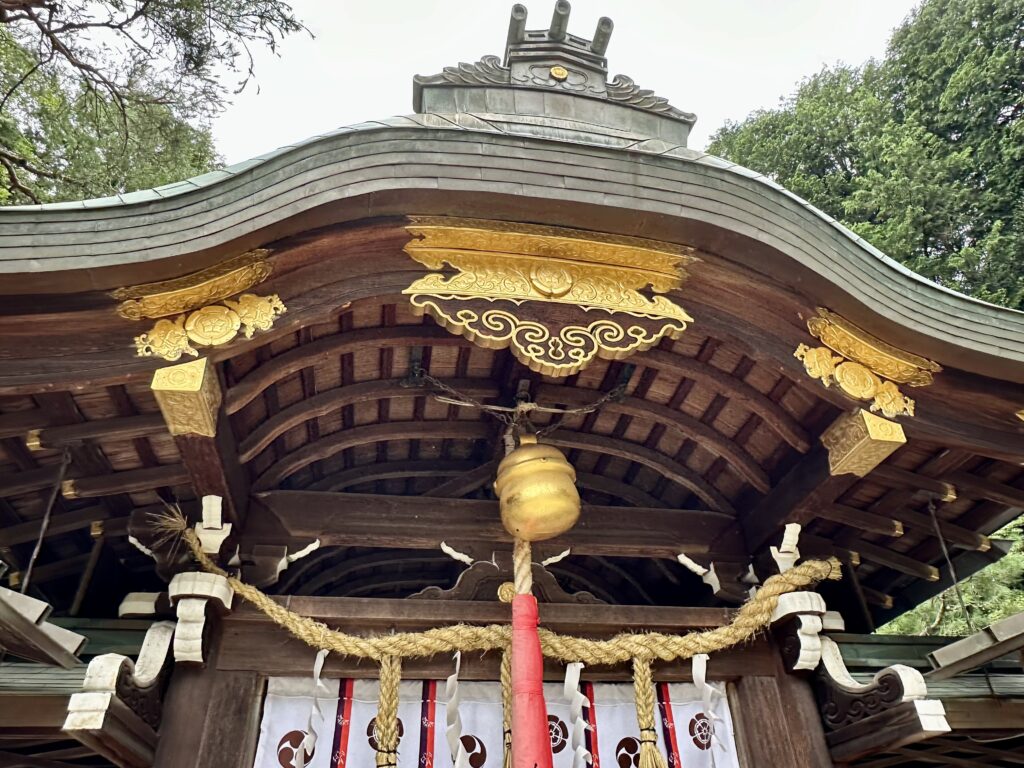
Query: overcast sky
point(718, 58)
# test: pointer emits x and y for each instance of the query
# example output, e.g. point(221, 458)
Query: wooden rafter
point(342, 519)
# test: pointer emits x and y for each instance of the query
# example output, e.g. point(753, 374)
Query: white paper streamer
point(316, 715)
point(454, 554)
point(453, 721)
point(556, 558)
point(577, 701)
point(691, 565)
point(787, 554)
point(708, 695)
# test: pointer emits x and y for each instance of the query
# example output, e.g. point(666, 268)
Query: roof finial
point(602, 35)
point(559, 20)
point(516, 25)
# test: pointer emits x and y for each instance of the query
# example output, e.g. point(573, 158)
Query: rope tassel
point(643, 692)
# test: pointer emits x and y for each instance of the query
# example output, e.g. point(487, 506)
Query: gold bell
point(536, 486)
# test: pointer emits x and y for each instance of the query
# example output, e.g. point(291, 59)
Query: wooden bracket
point(799, 617)
point(117, 712)
point(867, 718)
point(193, 594)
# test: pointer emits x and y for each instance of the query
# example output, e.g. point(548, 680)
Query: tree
point(989, 595)
point(922, 153)
point(102, 96)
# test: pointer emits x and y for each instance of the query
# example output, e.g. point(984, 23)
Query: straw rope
point(754, 616)
point(522, 566)
point(506, 706)
point(387, 712)
point(643, 692)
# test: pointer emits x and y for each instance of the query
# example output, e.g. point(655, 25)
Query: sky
point(721, 59)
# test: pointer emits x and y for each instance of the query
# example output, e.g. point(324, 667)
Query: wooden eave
point(714, 422)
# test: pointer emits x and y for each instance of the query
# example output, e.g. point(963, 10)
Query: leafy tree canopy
point(921, 153)
point(102, 96)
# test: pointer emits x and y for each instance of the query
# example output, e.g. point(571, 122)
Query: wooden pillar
point(211, 717)
point(777, 722)
point(190, 398)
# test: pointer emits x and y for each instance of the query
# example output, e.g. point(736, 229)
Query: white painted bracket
point(213, 530)
point(191, 593)
point(786, 554)
point(807, 610)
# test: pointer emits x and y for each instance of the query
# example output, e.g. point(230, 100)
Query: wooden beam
point(895, 560)
point(130, 481)
point(391, 470)
point(659, 462)
point(953, 533)
point(213, 469)
point(58, 569)
point(745, 466)
point(14, 760)
point(18, 423)
point(981, 487)
point(122, 428)
point(374, 433)
point(771, 413)
point(895, 477)
point(330, 347)
point(339, 519)
point(63, 523)
point(459, 486)
point(858, 518)
point(335, 399)
point(28, 481)
point(807, 487)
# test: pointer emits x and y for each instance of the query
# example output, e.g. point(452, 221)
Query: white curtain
point(689, 736)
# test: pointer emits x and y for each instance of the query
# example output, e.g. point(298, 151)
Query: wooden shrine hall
point(362, 393)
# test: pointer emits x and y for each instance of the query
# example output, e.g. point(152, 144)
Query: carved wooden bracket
point(866, 718)
point(798, 619)
point(193, 594)
point(117, 712)
point(487, 580)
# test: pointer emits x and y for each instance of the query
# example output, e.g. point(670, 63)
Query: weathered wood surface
point(423, 522)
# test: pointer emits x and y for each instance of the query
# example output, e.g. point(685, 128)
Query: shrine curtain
point(689, 735)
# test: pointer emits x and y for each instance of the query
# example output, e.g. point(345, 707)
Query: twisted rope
point(754, 616)
point(387, 712)
point(522, 567)
point(643, 693)
point(506, 706)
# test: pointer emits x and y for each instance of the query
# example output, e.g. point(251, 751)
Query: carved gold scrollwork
point(199, 319)
point(557, 297)
point(172, 297)
point(864, 367)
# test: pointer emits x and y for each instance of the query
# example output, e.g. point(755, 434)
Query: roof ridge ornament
point(551, 60)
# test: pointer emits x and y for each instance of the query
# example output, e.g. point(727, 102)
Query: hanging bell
point(537, 489)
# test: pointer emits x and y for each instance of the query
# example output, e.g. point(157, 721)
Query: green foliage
point(991, 594)
point(99, 97)
point(922, 153)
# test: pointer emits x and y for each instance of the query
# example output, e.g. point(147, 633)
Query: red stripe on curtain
point(668, 726)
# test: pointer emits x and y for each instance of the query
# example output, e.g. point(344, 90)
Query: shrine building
point(292, 454)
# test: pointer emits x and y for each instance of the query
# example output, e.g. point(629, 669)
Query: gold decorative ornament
point(212, 326)
point(209, 326)
point(536, 488)
point(183, 294)
point(858, 442)
point(559, 73)
point(864, 367)
point(510, 280)
point(506, 591)
point(189, 397)
point(842, 336)
point(166, 339)
point(68, 489)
